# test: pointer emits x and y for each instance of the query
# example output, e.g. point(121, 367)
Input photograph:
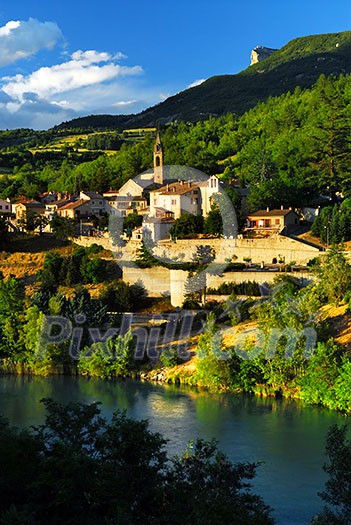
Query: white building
point(185, 197)
point(5, 206)
point(121, 205)
point(97, 203)
point(155, 228)
point(178, 197)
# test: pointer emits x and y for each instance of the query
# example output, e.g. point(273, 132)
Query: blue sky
point(60, 60)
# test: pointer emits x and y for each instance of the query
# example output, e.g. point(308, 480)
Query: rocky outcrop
point(259, 53)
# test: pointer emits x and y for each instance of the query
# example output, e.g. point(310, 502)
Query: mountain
point(260, 53)
point(298, 63)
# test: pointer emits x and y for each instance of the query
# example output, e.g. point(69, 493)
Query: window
point(173, 202)
point(0, 206)
point(277, 222)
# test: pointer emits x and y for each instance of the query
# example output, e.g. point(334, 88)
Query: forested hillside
point(299, 63)
point(289, 149)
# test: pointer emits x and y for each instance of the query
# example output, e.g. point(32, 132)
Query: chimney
point(267, 208)
point(282, 207)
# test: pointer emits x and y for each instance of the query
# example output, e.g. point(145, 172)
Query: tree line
point(288, 150)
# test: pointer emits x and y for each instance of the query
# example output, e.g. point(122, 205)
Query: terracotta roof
point(270, 213)
point(167, 220)
point(110, 193)
point(177, 188)
point(60, 203)
point(74, 205)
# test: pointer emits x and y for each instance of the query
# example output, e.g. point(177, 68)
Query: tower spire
point(158, 160)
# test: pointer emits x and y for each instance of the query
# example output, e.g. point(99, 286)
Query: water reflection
point(286, 436)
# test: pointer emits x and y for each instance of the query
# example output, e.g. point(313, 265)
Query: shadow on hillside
point(33, 243)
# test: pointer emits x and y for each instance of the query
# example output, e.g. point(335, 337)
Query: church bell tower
point(158, 160)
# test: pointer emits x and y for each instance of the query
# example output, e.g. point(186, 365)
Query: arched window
point(158, 161)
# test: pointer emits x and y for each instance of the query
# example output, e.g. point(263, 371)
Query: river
point(287, 437)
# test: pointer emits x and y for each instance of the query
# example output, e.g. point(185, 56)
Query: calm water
point(287, 438)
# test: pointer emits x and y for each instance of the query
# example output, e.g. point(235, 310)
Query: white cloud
point(22, 39)
point(164, 96)
point(6, 29)
point(196, 83)
point(123, 103)
point(87, 82)
point(85, 68)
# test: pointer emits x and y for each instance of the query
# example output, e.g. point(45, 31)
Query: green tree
point(62, 227)
point(130, 222)
point(33, 221)
point(187, 225)
point(80, 466)
point(337, 493)
point(334, 275)
point(213, 223)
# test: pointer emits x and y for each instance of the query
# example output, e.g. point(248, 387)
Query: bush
point(170, 357)
point(122, 297)
point(245, 288)
point(94, 249)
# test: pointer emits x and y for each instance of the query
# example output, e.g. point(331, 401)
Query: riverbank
point(248, 428)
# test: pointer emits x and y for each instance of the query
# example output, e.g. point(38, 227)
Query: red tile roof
point(270, 213)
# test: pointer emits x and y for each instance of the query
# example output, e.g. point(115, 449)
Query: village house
point(5, 206)
point(267, 221)
point(178, 197)
point(52, 208)
point(48, 197)
point(122, 206)
point(77, 210)
point(97, 203)
point(182, 197)
point(23, 208)
point(155, 228)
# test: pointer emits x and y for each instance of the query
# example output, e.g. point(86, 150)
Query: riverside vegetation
point(275, 355)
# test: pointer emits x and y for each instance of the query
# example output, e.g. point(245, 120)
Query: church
point(172, 191)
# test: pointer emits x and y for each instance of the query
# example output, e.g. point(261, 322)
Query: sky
point(61, 60)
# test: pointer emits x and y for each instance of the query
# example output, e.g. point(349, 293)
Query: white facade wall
point(5, 206)
point(177, 204)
